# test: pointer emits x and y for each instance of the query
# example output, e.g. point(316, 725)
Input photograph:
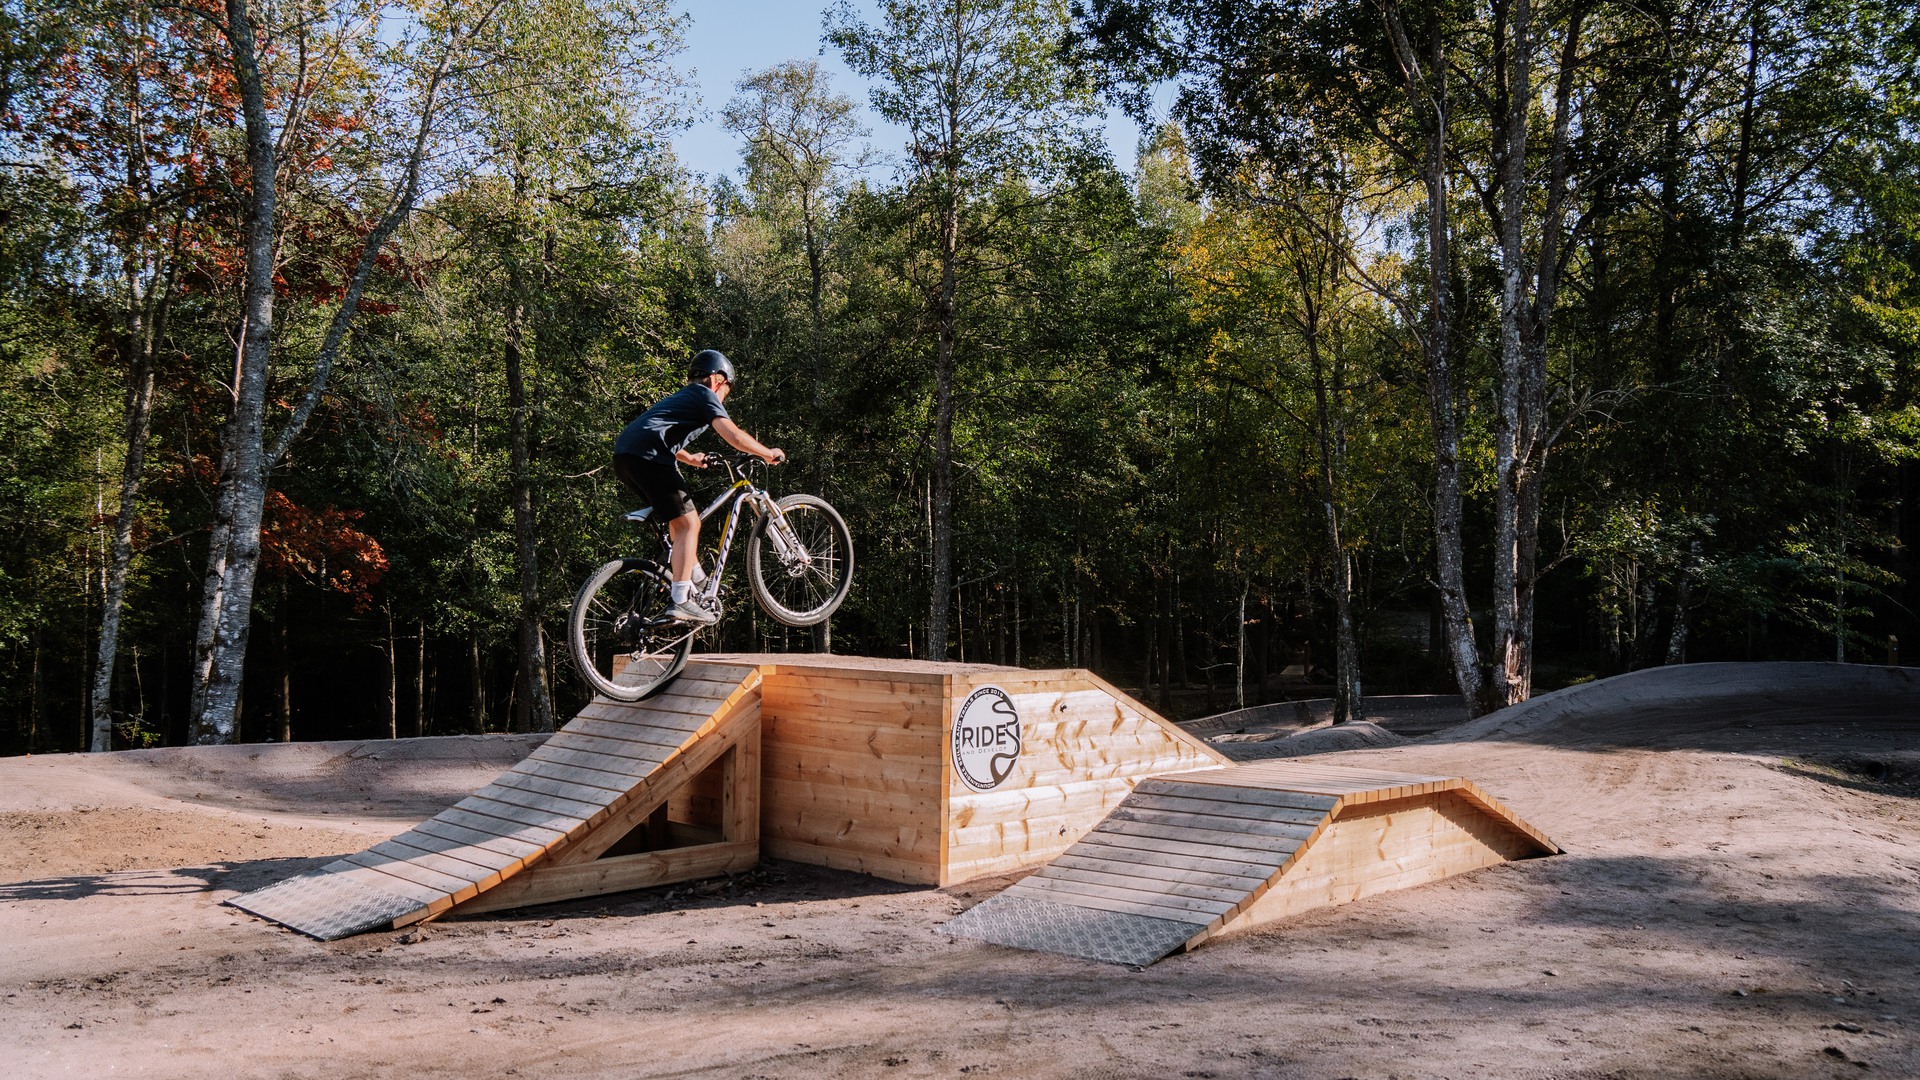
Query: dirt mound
point(1403, 714)
point(1783, 709)
point(396, 778)
point(1358, 735)
point(68, 814)
point(112, 839)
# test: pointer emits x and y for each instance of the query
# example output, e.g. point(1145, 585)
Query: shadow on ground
point(240, 876)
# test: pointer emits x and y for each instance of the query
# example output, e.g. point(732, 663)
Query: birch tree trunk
point(1529, 292)
point(1510, 161)
point(226, 598)
point(1425, 78)
point(233, 556)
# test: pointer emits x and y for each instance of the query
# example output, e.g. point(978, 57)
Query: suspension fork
point(779, 530)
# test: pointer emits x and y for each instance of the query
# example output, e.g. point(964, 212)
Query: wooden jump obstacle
point(916, 772)
point(838, 761)
point(590, 811)
point(1190, 857)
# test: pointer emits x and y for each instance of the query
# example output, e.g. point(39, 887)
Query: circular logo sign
point(986, 738)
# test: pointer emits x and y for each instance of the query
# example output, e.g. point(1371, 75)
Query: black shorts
point(660, 485)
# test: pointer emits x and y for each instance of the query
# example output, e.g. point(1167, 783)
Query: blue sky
point(728, 38)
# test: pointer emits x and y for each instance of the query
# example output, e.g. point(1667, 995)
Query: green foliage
point(1140, 432)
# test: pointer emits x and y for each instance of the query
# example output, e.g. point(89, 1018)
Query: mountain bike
point(799, 565)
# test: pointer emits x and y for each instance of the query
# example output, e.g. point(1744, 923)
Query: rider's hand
point(775, 456)
point(698, 461)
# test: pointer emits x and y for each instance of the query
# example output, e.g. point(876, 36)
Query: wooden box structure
point(860, 773)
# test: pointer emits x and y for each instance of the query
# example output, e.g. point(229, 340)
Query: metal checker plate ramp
point(1088, 933)
point(326, 906)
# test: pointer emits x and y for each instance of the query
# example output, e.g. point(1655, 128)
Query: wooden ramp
point(1186, 858)
point(625, 796)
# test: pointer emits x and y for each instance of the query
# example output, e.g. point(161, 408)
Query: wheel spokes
point(810, 575)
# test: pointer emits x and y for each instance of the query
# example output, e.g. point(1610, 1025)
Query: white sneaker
point(690, 612)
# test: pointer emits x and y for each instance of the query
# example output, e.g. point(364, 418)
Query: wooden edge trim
point(623, 873)
point(1471, 792)
point(824, 667)
point(942, 868)
point(1179, 734)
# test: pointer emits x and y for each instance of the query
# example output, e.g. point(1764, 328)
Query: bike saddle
point(639, 515)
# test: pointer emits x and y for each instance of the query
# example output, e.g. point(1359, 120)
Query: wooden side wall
point(1383, 846)
point(1083, 747)
point(853, 770)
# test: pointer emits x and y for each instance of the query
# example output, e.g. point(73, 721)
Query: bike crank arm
point(668, 644)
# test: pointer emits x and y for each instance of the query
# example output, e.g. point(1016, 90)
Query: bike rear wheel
point(621, 640)
point(802, 578)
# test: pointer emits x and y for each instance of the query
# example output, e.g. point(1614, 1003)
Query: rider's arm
point(698, 461)
point(742, 441)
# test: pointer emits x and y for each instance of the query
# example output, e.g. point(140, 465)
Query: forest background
point(1425, 347)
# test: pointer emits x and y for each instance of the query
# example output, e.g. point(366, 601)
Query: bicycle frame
point(743, 492)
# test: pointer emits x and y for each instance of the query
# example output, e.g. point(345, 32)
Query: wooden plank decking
point(1188, 857)
point(616, 758)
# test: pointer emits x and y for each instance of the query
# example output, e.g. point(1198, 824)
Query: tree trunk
point(532, 709)
point(1330, 445)
point(1240, 650)
point(1743, 147)
point(33, 692)
point(139, 412)
point(1177, 630)
point(420, 726)
point(393, 678)
point(941, 500)
point(1683, 593)
point(1019, 656)
point(283, 635)
point(226, 602)
point(478, 716)
point(1425, 81)
point(143, 317)
point(220, 642)
point(1510, 155)
point(1537, 437)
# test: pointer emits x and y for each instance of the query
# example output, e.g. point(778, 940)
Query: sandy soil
point(1740, 898)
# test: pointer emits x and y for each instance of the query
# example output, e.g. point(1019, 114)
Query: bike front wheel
point(800, 561)
point(622, 642)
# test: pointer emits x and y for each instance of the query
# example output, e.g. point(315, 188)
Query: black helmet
point(710, 362)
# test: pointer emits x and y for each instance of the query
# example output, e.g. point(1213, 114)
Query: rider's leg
point(684, 532)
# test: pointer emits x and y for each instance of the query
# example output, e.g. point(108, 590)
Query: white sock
point(699, 572)
point(682, 591)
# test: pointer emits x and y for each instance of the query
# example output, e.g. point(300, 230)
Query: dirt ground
point(1740, 898)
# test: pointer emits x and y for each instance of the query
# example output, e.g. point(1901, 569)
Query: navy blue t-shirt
point(678, 419)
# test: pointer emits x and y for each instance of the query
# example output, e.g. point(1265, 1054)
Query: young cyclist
point(646, 450)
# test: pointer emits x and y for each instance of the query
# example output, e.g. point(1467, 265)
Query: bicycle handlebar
point(740, 460)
